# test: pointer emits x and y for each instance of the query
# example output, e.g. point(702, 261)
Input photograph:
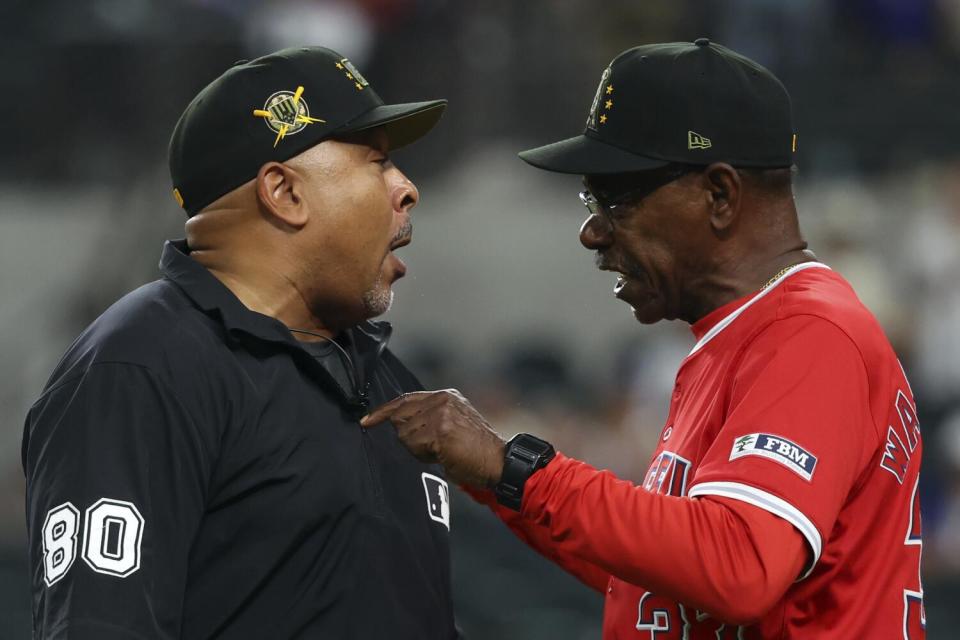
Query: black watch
point(524, 455)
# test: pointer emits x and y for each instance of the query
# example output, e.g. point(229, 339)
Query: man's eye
point(382, 160)
point(616, 212)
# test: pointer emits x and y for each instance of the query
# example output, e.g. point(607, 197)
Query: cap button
point(702, 42)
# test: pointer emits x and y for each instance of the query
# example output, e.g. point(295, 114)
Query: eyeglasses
point(611, 198)
point(590, 202)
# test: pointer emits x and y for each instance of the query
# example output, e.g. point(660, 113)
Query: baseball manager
point(782, 499)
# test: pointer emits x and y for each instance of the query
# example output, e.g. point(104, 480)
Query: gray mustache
point(404, 232)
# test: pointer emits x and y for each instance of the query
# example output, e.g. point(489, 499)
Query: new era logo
point(697, 141)
point(778, 449)
point(438, 498)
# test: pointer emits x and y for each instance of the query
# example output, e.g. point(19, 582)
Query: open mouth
point(621, 283)
point(621, 278)
point(400, 242)
point(624, 277)
point(399, 267)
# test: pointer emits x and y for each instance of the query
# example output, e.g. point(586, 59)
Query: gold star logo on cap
point(287, 113)
point(593, 118)
point(352, 74)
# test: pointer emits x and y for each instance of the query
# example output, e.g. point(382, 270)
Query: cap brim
point(403, 123)
point(588, 156)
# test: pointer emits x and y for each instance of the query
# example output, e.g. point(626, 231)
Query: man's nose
point(596, 233)
point(405, 194)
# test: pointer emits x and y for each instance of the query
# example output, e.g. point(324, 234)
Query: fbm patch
point(778, 449)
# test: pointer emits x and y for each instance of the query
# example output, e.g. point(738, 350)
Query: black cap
point(274, 108)
point(683, 102)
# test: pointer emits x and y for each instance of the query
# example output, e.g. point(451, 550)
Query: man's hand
point(442, 426)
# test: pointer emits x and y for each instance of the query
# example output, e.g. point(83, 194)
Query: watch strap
point(524, 455)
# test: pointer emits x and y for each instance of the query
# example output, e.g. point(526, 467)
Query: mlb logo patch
point(438, 498)
point(776, 448)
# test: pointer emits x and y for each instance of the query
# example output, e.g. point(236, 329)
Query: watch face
point(524, 455)
point(530, 448)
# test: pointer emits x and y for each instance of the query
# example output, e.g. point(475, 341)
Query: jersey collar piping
point(727, 320)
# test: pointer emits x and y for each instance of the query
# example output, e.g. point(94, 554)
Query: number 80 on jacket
point(112, 533)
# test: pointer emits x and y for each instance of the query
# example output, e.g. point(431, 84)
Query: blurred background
point(500, 300)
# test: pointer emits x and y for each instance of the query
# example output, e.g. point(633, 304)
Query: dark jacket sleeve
point(116, 474)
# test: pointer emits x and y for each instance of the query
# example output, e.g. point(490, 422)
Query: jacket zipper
point(379, 504)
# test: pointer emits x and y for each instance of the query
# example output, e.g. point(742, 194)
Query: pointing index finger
point(400, 407)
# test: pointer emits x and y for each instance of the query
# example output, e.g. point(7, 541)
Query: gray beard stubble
point(378, 299)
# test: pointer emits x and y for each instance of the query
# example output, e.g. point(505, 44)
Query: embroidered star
point(350, 76)
point(603, 118)
point(359, 86)
point(339, 66)
point(608, 104)
point(609, 89)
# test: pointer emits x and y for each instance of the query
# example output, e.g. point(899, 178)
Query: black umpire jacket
point(195, 472)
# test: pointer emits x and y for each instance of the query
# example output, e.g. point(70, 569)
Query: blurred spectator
point(932, 259)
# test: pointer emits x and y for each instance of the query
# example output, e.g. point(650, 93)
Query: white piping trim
point(904, 372)
point(720, 326)
point(767, 502)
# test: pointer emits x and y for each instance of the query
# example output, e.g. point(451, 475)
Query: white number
point(113, 530)
point(659, 621)
point(914, 613)
point(112, 533)
point(59, 542)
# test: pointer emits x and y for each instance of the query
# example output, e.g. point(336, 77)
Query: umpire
point(195, 467)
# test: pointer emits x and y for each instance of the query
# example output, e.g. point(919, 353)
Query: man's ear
point(725, 193)
point(280, 190)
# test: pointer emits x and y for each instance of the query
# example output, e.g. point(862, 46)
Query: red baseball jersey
point(792, 400)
